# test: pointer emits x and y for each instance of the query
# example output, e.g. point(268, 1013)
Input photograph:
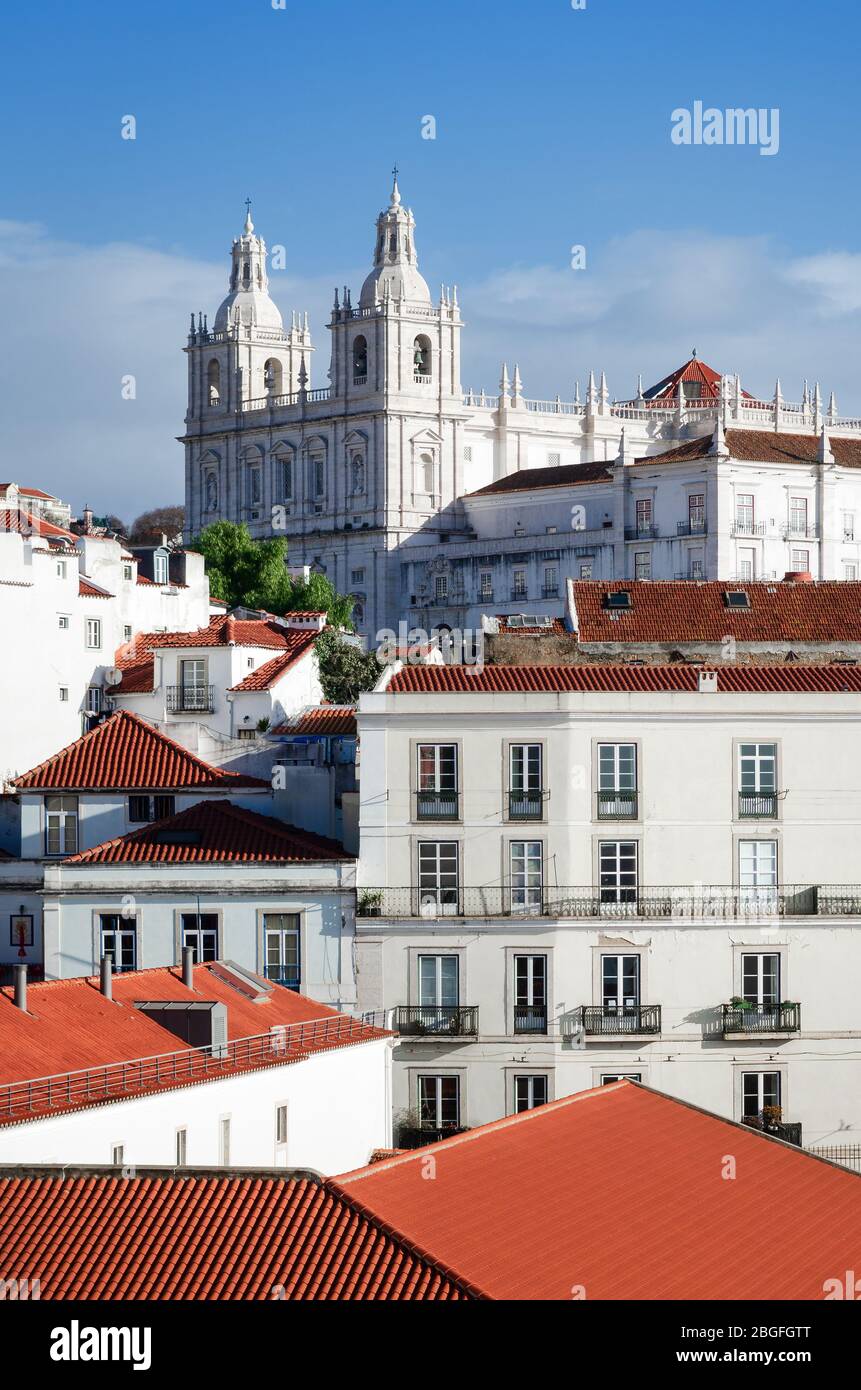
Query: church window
point(213, 381)
point(272, 377)
point(440, 588)
point(318, 475)
point(393, 244)
point(427, 474)
point(284, 475)
point(422, 357)
point(360, 361)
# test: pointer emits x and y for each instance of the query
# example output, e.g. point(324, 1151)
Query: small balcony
point(436, 1021)
point(422, 379)
point(518, 595)
point(629, 1022)
point(757, 805)
point(190, 699)
point(485, 596)
point(526, 805)
point(691, 528)
point(530, 1019)
point(742, 527)
point(761, 1022)
point(550, 591)
point(800, 532)
point(437, 805)
point(766, 1123)
point(416, 1136)
point(641, 533)
point(618, 804)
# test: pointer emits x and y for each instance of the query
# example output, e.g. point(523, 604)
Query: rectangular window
point(850, 571)
point(617, 781)
point(696, 565)
point(440, 588)
point(438, 876)
point(586, 570)
point(61, 569)
point(118, 1155)
point(757, 873)
point(357, 576)
point(194, 693)
point(530, 994)
point(485, 584)
point(63, 622)
point(757, 779)
point(554, 460)
point(128, 573)
point(697, 511)
point(281, 1124)
point(287, 479)
point(438, 986)
point(800, 561)
point(643, 512)
point(643, 564)
point(608, 1077)
point(527, 875)
point(617, 860)
point(798, 516)
point(318, 475)
point(439, 1102)
point(519, 588)
point(550, 587)
point(848, 526)
point(747, 566)
point(526, 788)
point(760, 978)
point(224, 1142)
point(94, 699)
point(529, 1092)
point(620, 985)
point(94, 633)
point(143, 808)
point(181, 1148)
point(61, 825)
point(118, 940)
point(437, 794)
point(760, 1091)
point(64, 694)
point(127, 632)
point(199, 930)
point(744, 513)
point(160, 569)
point(281, 944)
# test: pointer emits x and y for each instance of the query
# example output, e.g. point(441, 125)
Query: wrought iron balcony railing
point(757, 805)
point(604, 1021)
point(442, 805)
point(416, 1136)
point(641, 533)
point(790, 1133)
point(190, 699)
point(436, 1021)
point(617, 805)
point(669, 903)
point(761, 1018)
point(691, 528)
point(526, 805)
point(530, 1018)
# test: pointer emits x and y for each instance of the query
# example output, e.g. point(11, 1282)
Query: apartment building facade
point(572, 874)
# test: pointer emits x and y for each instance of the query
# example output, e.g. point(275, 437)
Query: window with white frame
point(757, 872)
point(526, 781)
point(94, 633)
point(181, 1148)
point(438, 876)
point(127, 632)
point(697, 511)
point(798, 516)
point(586, 570)
point(439, 1102)
point(617, 781)
point(760, 1092)
point(439, 992)
point(529, 1092)
point(199, 930)
point(850, 570)
point(757, 779)
point(437, 784)
point(617, 870)
point(696, 565)
point(554, 459)
point(64, 694)
point(550, 586)
point(485, 584)
point(61, 825)
point(224, 1141)
point(800, 561)
point(848, 526)
point(281, 946)
point(744, 512)
point(527, 875)
point(530, 994)
point(118, 1152)
point(608, 1077)
point(61, 569)
point(281, 1124)
point(128, 573)
point(747, 566)
point(94, 699)
point(63, 622)
point(118, 939)
point(643, 564)
point(760, 979)
point(160, 569)
point(620, 984)
point(519, 587)
point(643, 512)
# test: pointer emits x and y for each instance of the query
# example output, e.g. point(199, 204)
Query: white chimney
point(707, 682)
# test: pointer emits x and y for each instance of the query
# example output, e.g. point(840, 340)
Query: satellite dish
point(113, 676)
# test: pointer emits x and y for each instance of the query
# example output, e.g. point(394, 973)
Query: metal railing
point(441, 805)
point(800, 533)
point(190, 699)
point(641, 533)
point(601, 1020)
point(530, 1018)
point(683, 902)
point(761, 1018)
point(620, 804)
point(550, 591)
point(526, 805)
point(748, 528)
point(518, 593)
point(436, 1021)
point(790, 1133)
point(415, 1137)
point(172, 1068)
point(757, 805)
point(849, 1155)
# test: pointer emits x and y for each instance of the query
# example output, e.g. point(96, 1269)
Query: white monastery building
point(429, 502)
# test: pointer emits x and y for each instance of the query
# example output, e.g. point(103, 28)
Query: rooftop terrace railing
point(649, 904)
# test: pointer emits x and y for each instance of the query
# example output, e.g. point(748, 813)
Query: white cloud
point(79, 318)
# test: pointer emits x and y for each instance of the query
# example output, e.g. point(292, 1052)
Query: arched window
point(427, 474)
point(360, 360)
point(393, 244)
point(273, 376)
point(213, 381)
point(252, 460)
point(422, 358)
point(283, 473)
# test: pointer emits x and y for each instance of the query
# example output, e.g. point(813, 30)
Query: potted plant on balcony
point(740, 1005)
point(370, 903)
point(771, 1118)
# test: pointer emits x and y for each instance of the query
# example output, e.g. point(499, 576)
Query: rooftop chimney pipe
point(21, 988)
point(107, 973)
point(188, 966)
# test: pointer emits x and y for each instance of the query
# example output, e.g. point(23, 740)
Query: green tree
point(345, 670)
point(252, 574)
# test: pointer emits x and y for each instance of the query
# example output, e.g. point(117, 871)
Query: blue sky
point(553, 129)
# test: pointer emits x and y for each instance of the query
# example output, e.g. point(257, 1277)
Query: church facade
point(434, 505)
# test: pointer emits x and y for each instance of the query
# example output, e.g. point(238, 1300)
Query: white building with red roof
point(574, 872)
point(207, 1065)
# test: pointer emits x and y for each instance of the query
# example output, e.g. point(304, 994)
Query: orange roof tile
point(215, 832)
point(792, 678)
point(269, 674)
point(14, 519)
point(125, 753)
point(762, 446)
point(138, 673)
point(681, 611)
point(223, 629)
point(529, 1207)
point(321, 720)
point(224, 1238)
point(87, 589)
point(566, 475)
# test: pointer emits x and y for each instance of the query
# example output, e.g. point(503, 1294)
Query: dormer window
point(617, 599)
point(736, 599)
point(160, 569)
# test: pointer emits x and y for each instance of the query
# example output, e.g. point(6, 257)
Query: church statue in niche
point(357, 469)
point(211, 491)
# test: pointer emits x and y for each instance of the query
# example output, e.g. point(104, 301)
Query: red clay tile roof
point(706, 378)
point(14, 519)
point(224, 629)
point(529, 1207)
point(29, 492)
point(87, 589)
point(566, 475)
point(268, 675)
point(792, 678)
point(70, 1027)
point(215, 832)
point(138, 674)
point(680, 611)
point(321, 720)
point(762, 446)
point(203, 1238)
point(125, 753)
point(555, 628)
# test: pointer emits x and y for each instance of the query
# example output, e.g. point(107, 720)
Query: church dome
point(249, 301)
point(253, 309)
point(395, 273)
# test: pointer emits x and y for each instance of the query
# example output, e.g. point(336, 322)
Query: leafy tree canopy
point(345, 670)
point(247, 573)
point(150, 526)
